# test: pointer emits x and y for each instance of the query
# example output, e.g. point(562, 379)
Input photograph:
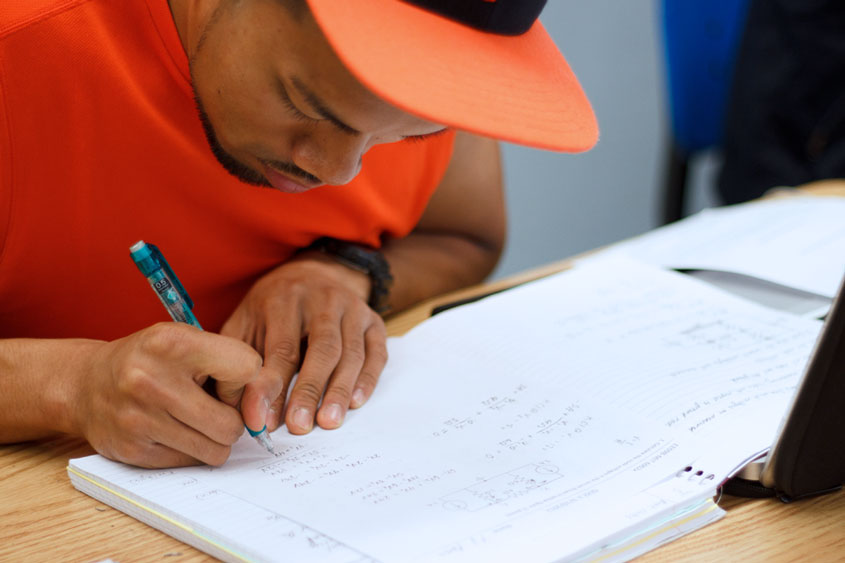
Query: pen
point(175, 299)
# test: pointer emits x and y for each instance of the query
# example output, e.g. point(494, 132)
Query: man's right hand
point(140, 399)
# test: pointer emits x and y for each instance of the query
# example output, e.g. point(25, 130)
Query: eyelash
point(294, 111)
point(421, 138)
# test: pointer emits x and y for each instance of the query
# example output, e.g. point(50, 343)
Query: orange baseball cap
point(484, 66)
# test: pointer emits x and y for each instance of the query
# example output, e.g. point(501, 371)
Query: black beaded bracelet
point(361, 258)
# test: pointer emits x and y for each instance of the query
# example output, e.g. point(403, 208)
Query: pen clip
point(162, 262)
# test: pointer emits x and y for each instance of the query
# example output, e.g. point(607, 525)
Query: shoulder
point(20, 14)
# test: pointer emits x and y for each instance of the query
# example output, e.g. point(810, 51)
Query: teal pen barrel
point(175, 299)
point(163, 281)
point(170, 298)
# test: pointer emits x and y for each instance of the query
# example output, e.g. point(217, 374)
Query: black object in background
point(785, 120)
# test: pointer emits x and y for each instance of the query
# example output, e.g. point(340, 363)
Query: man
point(115, 121)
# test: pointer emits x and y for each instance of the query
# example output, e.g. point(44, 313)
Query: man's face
point(278, 107)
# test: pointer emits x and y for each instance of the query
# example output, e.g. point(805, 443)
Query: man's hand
point(316, 304)
point(316, 300)
point(141, 400)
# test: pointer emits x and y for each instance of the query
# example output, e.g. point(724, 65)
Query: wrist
point(72, 365)
point(355, 281)
point(41, 387)
point(364, 259)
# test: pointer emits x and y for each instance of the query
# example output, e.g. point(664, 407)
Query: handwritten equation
point(502, 488)
point(301, 467)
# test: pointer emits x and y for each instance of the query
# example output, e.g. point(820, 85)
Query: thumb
point(257, 397)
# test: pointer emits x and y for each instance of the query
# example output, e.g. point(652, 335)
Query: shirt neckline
point(166, 27)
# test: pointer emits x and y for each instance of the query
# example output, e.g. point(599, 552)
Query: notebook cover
point(808, 457)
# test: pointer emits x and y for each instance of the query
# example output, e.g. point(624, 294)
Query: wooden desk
point(43, 518)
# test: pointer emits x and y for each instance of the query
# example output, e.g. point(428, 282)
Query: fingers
point(322, 300)
point(232, 363)
point(263, 399)
point(142, 400)
point(342, 365)
point(196, 409)
point(376, 359)
point(323, 354)
point(177, 423)
point(355, 376)
point(161, 456)
point(282, 353)
point(169, 444)
point(166, 397)
point(186, 442)
point(256, 405)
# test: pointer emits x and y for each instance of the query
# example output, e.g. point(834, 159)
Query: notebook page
point(797, 241)
point(536, 413)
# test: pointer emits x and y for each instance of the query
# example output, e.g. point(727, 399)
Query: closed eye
point(319, 107)
point(291, 107)
point(425, 137)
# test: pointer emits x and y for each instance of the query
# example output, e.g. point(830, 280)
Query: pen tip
point(264, 439)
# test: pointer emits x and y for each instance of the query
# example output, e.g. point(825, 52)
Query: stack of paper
point(797, 242)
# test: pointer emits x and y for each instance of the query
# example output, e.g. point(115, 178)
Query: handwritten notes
point(526, 426)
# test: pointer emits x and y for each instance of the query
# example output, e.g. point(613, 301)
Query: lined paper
point(540, 423)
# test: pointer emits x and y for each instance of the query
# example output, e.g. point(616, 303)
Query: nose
point(334, 157)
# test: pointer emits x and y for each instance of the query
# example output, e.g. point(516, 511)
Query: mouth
point(284, 183)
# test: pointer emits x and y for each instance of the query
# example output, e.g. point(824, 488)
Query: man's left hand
point(316, 307)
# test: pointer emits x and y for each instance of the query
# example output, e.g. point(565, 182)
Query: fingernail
point(262, 414)
point(302, 417)
point(334, 413)
point(358, 398)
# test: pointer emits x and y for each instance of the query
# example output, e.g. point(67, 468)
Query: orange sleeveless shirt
point(100, 146)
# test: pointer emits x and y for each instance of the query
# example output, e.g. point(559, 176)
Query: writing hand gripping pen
point(175, 299)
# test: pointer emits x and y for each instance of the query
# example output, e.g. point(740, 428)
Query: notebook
point(590, 415)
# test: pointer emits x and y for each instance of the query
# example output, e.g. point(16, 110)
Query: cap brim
point(518, 89)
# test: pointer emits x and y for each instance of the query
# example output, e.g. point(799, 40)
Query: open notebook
point(589, 415)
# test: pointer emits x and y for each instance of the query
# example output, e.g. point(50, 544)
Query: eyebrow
point(320, 107)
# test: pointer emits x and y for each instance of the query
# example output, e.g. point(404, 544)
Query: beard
point(232, 165)
point(238, 169)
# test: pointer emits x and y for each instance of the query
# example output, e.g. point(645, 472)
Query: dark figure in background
point(785, 122)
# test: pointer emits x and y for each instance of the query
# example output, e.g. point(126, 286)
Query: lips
point(284, 184)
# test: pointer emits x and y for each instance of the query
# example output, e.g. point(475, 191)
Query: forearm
point(425, 264)
point(36, 382)
point(461, 234)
